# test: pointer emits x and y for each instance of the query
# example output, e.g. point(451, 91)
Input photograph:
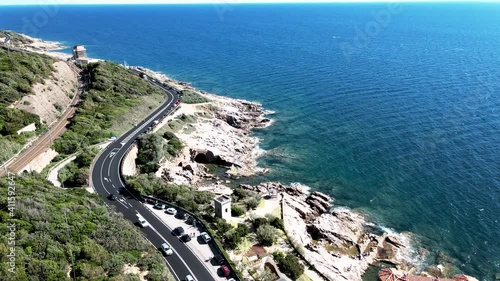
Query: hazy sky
point(44, 2)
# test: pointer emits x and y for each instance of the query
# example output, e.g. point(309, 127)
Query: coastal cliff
point(338, 243)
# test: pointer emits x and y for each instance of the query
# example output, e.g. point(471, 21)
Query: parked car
point(219, 259)
point(189, 278)
point(171, 211)
point(205, 237)
point(166, 249)
point(185, 238)
point(225, 270)
point(159, 206)
point(179, 231)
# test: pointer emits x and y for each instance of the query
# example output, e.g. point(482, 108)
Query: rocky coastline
point(338, 243)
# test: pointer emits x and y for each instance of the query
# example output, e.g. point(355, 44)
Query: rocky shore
point(215, 132)
point(338, 243)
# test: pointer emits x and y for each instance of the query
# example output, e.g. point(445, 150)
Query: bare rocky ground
point(52, 97)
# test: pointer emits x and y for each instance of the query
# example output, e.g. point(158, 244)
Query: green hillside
point(113, 93)
point(71, 232)
point(18, 73)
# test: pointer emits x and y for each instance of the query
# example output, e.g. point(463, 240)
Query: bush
point(259, 221)
point(289, 265)
point(240, 193)
point(267, 275)
point(252, 203)
point(266, 235)
point(79, 178)
point(58, 107)
point(237, 211)
point(191, 97)
point(174, 147)
point(168, 135)
point(276, 222)
point(242, 230)
point(85, 158)
point(150, 151)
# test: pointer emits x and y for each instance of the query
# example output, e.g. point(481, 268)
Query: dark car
point(185, 238)
point(219, 259)
point(159, 206)
point(112, 197)
point(179, 231)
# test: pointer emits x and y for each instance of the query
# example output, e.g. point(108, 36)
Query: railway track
point(20, 162)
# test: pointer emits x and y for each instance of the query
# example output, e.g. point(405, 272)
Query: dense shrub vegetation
point(152, 148)
point(266, 235)
point(76, 173)
point(267, 229)
point(150, 152)
point(70, 232)
point(18, 73)
point(289, 265)
point(183, 196)
point(192, 97)
point(113, 91)
point(16, 38)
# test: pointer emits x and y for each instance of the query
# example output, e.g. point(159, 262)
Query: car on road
point(189, 278)
point(186, 238)
point(171, 211)
point(225, 270)
point(166, 249)
point(142, 222)
point(112, 196)
point(178, 231)
point(205, 237)
point(159, 206)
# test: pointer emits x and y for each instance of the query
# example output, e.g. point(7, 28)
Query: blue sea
point(394, 110)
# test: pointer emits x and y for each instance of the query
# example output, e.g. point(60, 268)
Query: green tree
point(150, 152)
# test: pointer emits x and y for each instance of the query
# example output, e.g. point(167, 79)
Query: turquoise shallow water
point(405, 128)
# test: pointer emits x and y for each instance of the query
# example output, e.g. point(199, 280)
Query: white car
point(189, 278)
point(171, 211)
point(166, 249)
point(205, 237)
point(142, 221)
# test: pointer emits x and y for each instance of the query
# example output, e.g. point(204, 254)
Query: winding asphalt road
point(106, 179)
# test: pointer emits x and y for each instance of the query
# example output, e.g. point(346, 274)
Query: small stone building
point(222, 206)
point(79, 52)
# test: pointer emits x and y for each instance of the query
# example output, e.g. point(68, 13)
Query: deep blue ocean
point(392, 110)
